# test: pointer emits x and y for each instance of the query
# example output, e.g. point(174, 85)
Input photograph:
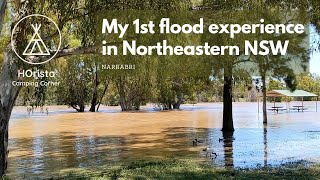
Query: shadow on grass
point(179, 169)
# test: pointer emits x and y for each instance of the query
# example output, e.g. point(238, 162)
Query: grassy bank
point(185, 169)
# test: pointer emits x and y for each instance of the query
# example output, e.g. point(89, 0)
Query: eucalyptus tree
point(74, 86)
point(178, 77)
point(231, 60)
point(314, 7)
point(314, 13)
point(2, 12)
point(309, 82)
point(297, 55)
point(249, 11)
point(4, 29)
point(100, 79)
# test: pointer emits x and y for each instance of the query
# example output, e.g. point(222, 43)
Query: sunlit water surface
point(65, 140)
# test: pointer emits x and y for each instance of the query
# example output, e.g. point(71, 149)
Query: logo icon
point(35, 43)
point(42, 39)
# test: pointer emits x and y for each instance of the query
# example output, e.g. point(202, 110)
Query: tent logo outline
point(36, 42)
point(36, 52)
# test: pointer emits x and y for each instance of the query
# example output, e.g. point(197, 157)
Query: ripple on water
point(65, 140)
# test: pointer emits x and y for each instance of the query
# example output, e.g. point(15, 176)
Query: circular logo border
point(35, 15)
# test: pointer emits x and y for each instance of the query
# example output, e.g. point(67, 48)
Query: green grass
point(185, 169)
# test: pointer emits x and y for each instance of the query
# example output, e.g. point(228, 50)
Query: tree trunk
point(228, 148)
point(227, 105)
point(2, 12)
point(103, 94)
point(179, 101)
point(264, 103)
point(82, 107)
point(8, 96)
point(8, 92)
point(122, 95)
point(79, 108)
point(95, 93)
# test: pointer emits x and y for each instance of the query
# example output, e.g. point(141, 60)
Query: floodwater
point(65, 140)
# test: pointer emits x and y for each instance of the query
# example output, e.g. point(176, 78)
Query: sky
point(315, 63)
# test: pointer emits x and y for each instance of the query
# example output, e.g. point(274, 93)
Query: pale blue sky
point(315, 63)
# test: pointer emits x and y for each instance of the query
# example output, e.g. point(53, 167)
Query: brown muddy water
point(65, 140)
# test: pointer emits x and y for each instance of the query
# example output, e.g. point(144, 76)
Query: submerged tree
point(229, 62)
point(73, 89)
point(249, 11)
point(296, 58)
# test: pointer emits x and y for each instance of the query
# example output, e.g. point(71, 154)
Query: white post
point(287, 107)
point(302, 104)
point(317, 104)
point(258, 103)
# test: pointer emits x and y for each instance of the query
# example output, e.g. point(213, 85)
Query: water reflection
point(228, 149)
point(265, 143)
point(37, 151)
point(58, 152)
